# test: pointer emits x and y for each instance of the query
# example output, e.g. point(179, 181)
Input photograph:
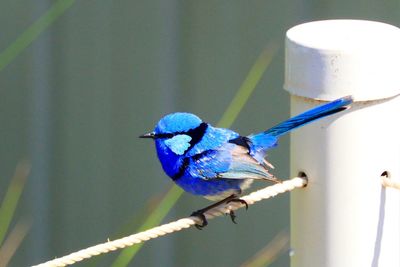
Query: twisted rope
point(387, 182)
point(178, 225)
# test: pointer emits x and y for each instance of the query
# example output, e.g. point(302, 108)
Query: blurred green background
point(86, 79)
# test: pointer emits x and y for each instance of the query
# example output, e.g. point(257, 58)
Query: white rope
point(387, 182)
point(178, 225)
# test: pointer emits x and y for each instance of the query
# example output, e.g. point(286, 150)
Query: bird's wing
point(230, 161)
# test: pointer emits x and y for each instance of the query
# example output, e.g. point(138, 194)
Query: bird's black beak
point(148, 135)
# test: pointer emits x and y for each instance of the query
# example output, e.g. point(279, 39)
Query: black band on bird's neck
point(185, 164)
point(182, 169)
point(197, 134)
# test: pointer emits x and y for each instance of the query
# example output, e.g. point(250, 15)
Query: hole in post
point(304, 176)
point(385, 174)
point(385, 179)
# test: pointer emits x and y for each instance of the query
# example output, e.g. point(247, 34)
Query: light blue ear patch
point(179, 143)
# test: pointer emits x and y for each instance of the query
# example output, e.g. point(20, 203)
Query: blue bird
point(218, 163)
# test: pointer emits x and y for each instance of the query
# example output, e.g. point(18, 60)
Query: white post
point(344, 217)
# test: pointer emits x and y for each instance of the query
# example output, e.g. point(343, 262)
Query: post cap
point(333, 58)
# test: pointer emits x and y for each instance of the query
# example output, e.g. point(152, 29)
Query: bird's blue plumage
point(216, 162)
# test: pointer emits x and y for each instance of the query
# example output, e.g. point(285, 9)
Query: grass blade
point(33, 31)
point(12, 242)
point(153, 219)
point(248, 85)
point(269, 253)
point(12, 196)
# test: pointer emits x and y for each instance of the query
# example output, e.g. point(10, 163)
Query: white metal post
point(344, 217)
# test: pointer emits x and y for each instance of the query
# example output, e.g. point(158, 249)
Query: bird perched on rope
point(218, 163)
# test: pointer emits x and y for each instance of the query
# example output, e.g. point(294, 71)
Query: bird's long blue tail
point(309, 116)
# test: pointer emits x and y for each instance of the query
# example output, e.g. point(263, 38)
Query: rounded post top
point(329, 59)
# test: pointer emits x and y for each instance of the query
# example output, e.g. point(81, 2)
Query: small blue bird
point(218, 163)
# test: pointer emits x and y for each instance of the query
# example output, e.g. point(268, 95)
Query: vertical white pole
point(344, 217)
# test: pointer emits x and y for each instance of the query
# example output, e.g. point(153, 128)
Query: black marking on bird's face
point(154, 135)
point(196, 134)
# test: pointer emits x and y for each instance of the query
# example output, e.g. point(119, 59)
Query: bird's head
point(178, 131)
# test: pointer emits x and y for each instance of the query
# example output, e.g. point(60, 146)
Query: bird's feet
point(200, 214)
point(240, 201)
point(231, 212)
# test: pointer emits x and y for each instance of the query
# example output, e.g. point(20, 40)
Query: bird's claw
point(233, 216)
point(240, 201)
point(231, 212)
point(200, 214)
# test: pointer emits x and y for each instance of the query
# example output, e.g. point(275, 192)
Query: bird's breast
point(171, 163)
